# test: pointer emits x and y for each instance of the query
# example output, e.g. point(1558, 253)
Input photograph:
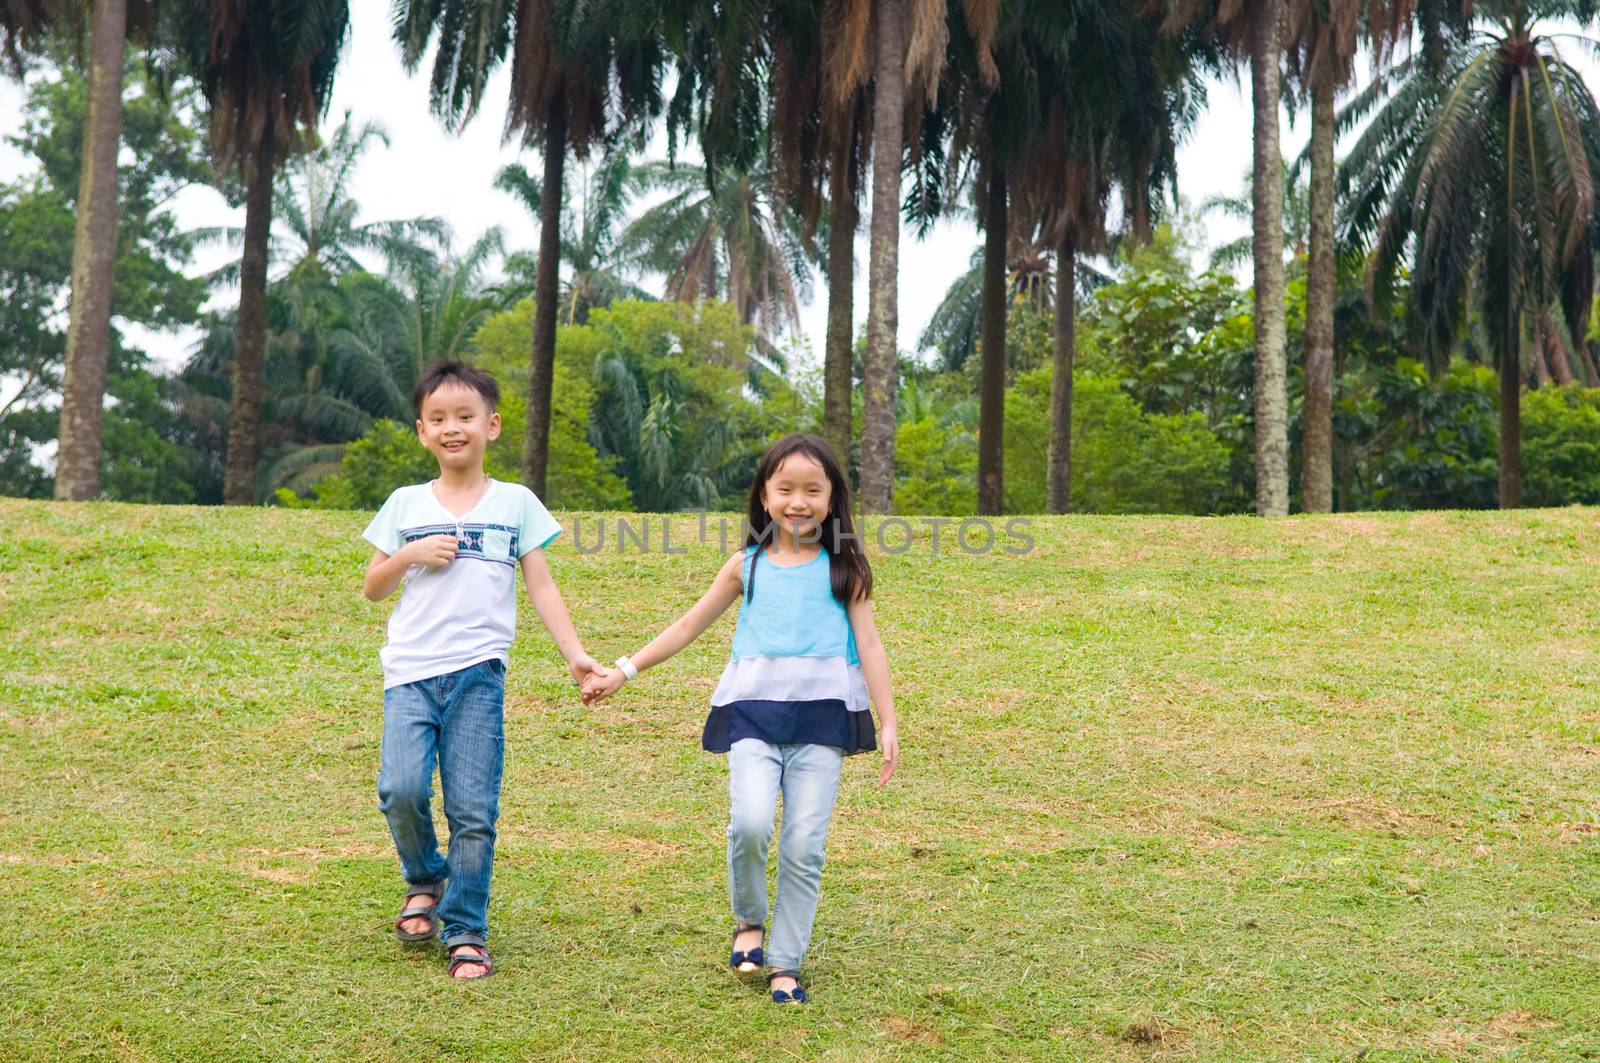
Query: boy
point(456, 542)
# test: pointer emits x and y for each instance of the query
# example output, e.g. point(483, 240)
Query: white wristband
point(627, 668)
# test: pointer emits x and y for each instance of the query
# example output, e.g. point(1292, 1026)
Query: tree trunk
point(1591, 373)
point(1560, 366)
point(1316, 449)
point(992, 372)
point(250, 333)
point(1059, 462)
point(883, 291)
point(542, 366)
point(1271, 397)
point(1539, 357)
point(838, 356)
point(94, 255)
point(1510, 427)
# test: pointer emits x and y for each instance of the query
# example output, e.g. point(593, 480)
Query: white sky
point(426, 170)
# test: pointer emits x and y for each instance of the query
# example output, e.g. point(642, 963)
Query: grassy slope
point(1172, 789)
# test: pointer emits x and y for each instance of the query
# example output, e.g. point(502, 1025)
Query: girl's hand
point(600, 686)
point(890, 739)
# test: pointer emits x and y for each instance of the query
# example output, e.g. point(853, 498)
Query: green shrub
point(387, 457)
point(1124, 460)
point(1561, 446)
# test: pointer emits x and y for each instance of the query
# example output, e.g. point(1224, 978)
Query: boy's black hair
point(441, 373)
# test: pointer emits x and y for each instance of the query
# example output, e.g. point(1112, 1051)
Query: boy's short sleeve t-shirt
point(463, 613)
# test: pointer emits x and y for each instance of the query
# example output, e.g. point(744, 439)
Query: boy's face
point(457, 426)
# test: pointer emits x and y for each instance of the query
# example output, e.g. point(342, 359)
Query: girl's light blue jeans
point(457, 721)
point(807, 776)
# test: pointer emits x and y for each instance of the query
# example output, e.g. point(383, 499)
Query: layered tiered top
point(793, 674)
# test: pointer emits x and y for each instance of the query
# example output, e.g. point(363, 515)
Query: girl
point(792, 703)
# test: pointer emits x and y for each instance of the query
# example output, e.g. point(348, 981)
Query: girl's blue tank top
point(793, 675)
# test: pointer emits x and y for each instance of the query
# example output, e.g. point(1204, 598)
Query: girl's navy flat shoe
point(797, 995)
point(747, 962)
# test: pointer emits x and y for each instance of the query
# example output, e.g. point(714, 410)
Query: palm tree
point(22, 23)
point(343, 352)
point(844, 189)
point(1323, 48)
point(819, 129)
point(977, 113)
point(957, 323)
point(315, 207)
point(883, 262)
point(267, 70)
point(566, 64)
point(1255, 31)
point(672, 459)
point(724, 236)
point(1481, 183)
point(94, 253)
point(1324, 36)
point(1113, 97)
point(803, 69)
point(1297, 221)
point(318, 235)
point(589, 238)
point(317, 392)
point(429, 306)
point(1025, 84)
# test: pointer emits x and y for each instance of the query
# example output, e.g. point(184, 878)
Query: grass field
point(1171, 789)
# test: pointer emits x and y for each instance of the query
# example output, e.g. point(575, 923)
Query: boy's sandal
point(480, 958)
point(429, 912)
point(797, 995)
point(747, 962)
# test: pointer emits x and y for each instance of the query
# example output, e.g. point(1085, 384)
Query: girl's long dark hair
point(848, 570)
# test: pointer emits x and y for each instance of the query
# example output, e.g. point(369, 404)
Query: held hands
point(598, 687)
point(586, 670)
point(597, 682)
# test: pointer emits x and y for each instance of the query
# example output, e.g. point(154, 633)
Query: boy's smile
point(457, 426)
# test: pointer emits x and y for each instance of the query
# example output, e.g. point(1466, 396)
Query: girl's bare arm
point(875, 670)
point(724, 591)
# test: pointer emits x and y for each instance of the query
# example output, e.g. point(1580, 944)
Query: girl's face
point(797, 495)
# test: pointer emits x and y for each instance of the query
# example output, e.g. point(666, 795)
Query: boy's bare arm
point(385, 571)
point(547, 602)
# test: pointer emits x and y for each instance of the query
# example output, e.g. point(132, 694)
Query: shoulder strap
point(750, 582)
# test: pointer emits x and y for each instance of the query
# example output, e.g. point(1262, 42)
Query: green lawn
point(1171, 789)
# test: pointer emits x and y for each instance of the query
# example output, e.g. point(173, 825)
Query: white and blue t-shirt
point(463, 613)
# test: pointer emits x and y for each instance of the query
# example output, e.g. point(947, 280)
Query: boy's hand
point(583, 666)
point(599, 687)
point(890, 739)
point(435, 551)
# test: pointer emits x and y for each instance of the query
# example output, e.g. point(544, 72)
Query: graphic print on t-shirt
point(454, 615)
point(486, 542)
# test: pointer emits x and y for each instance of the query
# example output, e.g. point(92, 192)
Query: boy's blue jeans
point(808, 777)
point(456, 720)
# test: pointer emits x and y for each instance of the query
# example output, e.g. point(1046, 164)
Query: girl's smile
point(797, 496)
